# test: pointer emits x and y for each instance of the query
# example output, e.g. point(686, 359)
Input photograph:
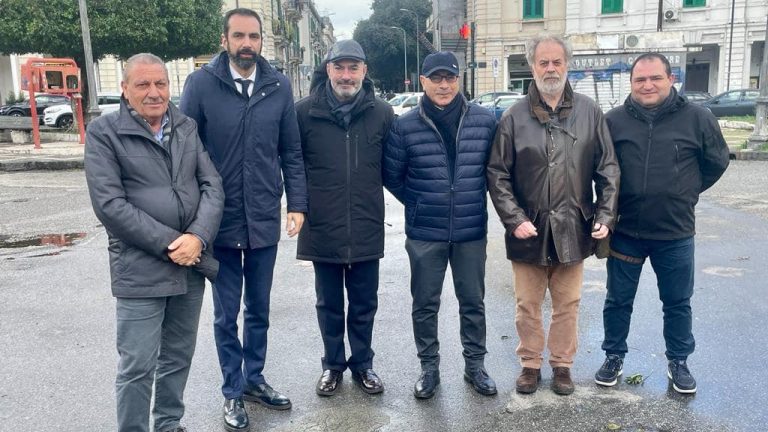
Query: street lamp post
point(405, 58)
point(418, 59)
point(93, 101)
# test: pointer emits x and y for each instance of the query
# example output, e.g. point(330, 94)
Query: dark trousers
point(429, 261)
point(156, 340)
point(242, 361)
point(672, 261)
point(362, 282)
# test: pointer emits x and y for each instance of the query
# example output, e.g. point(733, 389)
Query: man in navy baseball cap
point(448, 139)
point(440, 61)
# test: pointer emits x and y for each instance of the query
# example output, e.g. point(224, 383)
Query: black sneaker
point(609, 372)
point(682, 380)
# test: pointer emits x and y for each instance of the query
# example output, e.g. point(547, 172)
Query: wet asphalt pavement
point(57, 355)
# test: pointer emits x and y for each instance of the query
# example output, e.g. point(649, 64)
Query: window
point(751, 95)
point(730, 97)
point(613, 6)
point(533, 9)
point(694, 3)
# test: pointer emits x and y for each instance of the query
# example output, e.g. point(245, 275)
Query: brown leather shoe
point(528, 381)
point(561, 381)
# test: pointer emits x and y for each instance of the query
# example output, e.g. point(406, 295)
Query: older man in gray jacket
point(160, 199)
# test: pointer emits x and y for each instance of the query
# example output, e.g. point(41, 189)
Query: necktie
point(246, 85)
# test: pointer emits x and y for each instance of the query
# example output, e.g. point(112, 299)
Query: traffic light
point(464, 31)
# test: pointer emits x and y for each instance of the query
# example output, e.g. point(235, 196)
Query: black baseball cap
point(442, 60)
point(345, 49)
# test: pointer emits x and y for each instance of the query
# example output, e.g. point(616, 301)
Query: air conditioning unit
point(671, 14)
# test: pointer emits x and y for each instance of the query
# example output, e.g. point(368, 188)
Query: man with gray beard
point(342, 126)
point(549, 149)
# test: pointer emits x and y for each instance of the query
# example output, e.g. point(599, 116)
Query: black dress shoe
point(235, 416)
point(368, 381)
point(265, 395)
point(480, 381)
point(329, 382)
point(427, 384)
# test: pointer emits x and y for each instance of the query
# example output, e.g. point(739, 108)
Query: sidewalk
point(52, 156)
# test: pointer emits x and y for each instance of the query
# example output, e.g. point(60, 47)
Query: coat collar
point(539, 109)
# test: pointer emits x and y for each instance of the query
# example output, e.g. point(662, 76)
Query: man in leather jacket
point(549, 149)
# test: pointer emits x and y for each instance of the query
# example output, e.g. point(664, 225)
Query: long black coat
point(345, 222)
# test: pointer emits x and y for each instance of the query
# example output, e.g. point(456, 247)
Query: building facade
point(283, 40)
point(709, 51)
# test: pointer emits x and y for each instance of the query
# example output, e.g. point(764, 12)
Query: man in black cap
point(435, 161)
point(343, 126)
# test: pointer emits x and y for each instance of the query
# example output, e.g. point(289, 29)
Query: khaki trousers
point(531, 283)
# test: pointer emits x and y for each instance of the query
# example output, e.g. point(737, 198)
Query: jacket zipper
point(645, 177)
point(451, 174)
point(349, 199)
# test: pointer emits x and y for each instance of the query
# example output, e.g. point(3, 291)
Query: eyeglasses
point(437, 79)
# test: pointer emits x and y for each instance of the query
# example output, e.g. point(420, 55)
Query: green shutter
point(533, 9)
point(613, 6)
point(694, 3)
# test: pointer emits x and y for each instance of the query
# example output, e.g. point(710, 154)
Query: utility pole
point(93, 100)
point(418, 59)
point(472, 59)
point(760, 135)
point(405, 58)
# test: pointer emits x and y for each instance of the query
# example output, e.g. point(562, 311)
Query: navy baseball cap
point(345, 49)
point(442, 60)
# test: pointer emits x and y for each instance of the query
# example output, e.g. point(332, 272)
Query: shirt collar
point(159, 134)
point(235, 74)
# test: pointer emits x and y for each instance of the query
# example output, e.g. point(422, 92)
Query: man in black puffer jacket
point(342, 126)
point(435, 165)
point(669, 151)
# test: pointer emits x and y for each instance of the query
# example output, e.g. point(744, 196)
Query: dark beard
point(242, 62)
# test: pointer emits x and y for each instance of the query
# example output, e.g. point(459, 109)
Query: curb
point(752, 155)
point(40, 165)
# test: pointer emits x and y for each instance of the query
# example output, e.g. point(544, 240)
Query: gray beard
point(550, 89)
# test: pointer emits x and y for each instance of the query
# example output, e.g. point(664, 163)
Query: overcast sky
point(344, 14)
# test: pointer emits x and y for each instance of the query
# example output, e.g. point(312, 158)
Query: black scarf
point(342, 111)
point(446, 120)
point(650, 114)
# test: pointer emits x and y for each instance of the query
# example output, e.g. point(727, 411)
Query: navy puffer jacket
point(440, 205)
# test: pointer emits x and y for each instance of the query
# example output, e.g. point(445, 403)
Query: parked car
point(398, 98)
point(487, 99)
point(697, 97)
point(503, 102)
point(733, 103)
point(42, 101)
point(61, 116)
point(407, 103)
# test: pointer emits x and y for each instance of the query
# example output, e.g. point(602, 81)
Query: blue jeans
point(242, 363)
point(672, 261)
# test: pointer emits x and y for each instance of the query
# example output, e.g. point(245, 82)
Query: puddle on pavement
point(59, 240)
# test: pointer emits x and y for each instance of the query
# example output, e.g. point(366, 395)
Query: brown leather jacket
point(541, 169)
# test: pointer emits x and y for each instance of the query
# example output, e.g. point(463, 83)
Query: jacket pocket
point(411, 211)
point(277, 191)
